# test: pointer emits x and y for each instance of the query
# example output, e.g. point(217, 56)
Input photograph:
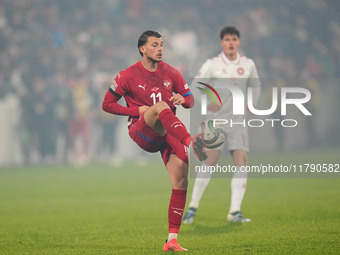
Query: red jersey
point(141, 87)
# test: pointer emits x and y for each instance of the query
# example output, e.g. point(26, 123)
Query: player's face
point(153, 49)
point(230, 44)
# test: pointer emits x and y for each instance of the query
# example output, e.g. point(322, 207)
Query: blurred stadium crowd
point(59, 57)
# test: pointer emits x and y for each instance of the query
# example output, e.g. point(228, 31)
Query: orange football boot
point(173, 246)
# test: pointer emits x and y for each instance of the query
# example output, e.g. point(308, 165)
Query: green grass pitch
point(104, 210)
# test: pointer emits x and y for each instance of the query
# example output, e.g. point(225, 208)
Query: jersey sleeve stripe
point(114, 93)
point(187, 94)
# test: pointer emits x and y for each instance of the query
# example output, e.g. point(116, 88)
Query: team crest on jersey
point(240, 70)
point(114, 85)
point(168, 84)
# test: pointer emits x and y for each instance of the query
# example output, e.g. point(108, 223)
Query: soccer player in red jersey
point(152, 89)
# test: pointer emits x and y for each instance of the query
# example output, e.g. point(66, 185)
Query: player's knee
point(243, 159)
point(160, 106)
point(181, 183)
point(240, 158)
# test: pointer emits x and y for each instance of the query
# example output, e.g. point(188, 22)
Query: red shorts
point(150, 141)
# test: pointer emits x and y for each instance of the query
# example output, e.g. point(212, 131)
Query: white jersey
point(220, 71)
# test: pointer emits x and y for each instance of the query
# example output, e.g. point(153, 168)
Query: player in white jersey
point(230, 68)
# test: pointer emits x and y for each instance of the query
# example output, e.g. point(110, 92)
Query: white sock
point(238, 188)
point(172, 236)
point(201, 182)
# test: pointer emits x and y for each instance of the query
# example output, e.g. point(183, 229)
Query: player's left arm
point(183, 94)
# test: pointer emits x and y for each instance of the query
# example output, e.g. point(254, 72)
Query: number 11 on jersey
point(154, 96)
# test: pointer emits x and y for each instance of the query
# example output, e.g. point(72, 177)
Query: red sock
point(174, 126)
point(176, 209)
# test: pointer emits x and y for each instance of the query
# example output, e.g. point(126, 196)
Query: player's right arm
point(115, 92)
point(111, 105)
